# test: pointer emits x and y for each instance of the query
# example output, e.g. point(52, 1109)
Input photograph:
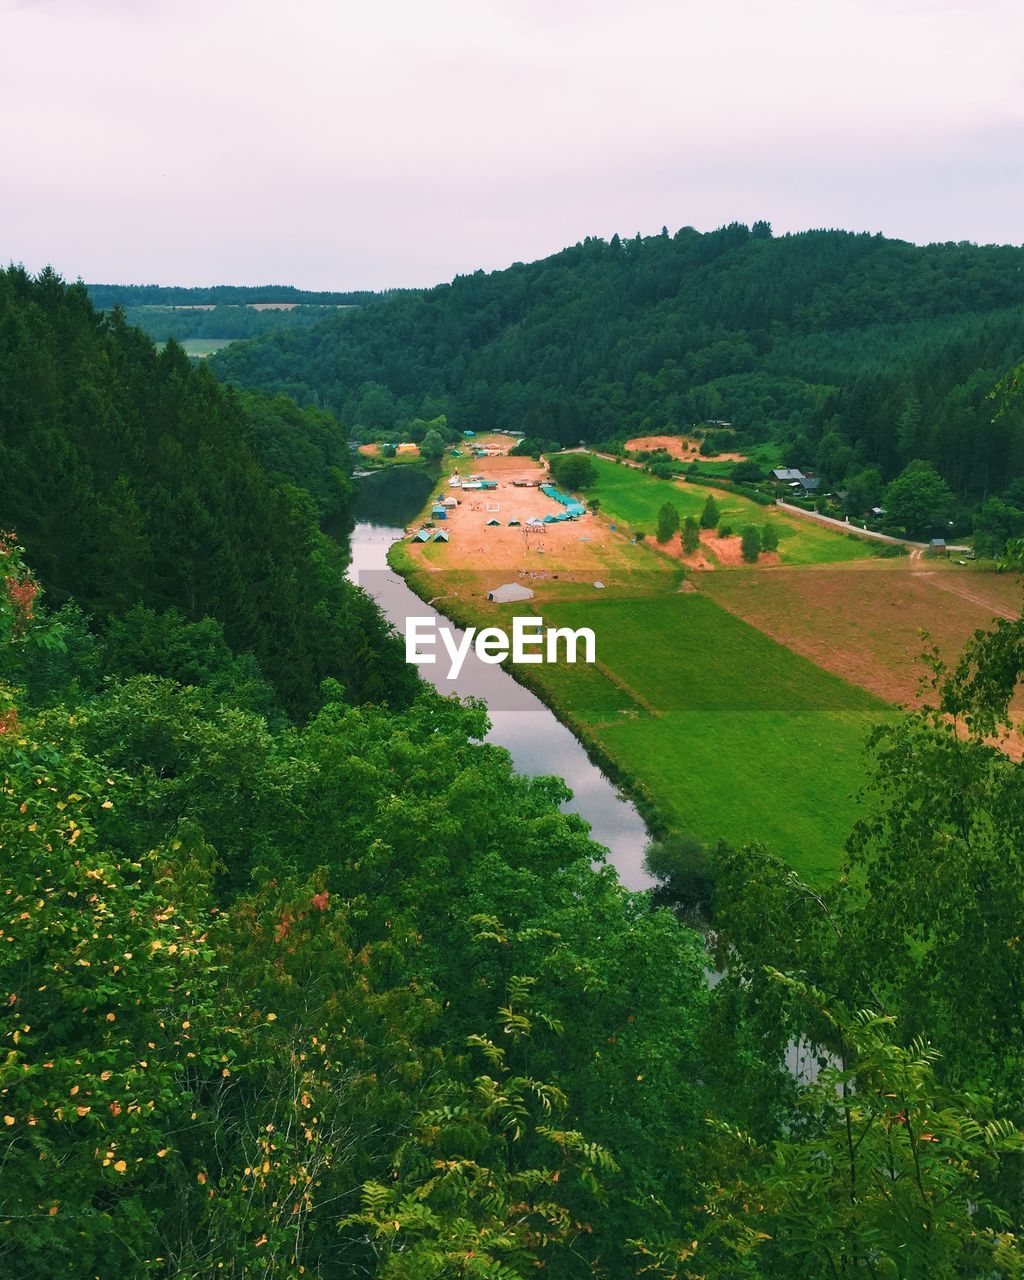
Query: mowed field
point(733, 735)
point(634, 498)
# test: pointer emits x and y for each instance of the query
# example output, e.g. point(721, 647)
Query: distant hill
point(106, 296)
point(850, 350)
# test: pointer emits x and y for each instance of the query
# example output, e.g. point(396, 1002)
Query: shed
point(937, 547)
point(510, 593)
point(439, 513)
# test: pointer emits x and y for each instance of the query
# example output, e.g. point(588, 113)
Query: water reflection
point(536, 740)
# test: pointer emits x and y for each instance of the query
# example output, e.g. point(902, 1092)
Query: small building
point(937, 547)
point(407, 448)
point(510, 593)
point(469, 434)
point(439, 512)
point(786, 475)
point(488, 484)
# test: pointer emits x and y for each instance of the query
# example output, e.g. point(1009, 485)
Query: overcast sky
point(335, 144)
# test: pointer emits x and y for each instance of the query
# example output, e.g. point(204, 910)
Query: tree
point(770, 537)
point(919, 499)
point(885, 1172)
point(710, 515)
point(864, 490)
point(750, 543)
point(691, 535)
point(574, 471)
point(432, 447)
point(668, 522)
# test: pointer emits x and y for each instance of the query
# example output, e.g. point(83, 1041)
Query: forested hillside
point(824, 340)
point(133, 478)
point(300, 979)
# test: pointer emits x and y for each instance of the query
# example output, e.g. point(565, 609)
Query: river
point(537, 741)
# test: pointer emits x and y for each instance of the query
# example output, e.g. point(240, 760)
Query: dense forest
point(852, 351)
point(299, 978)
point(131, 478)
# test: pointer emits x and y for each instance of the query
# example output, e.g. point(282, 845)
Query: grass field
point(202, 347)
point(733, 734)
point(634, 498)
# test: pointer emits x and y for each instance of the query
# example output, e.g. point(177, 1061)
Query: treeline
point(226, 320)
point(107, 296)
point(133, 478)
point(888, 348)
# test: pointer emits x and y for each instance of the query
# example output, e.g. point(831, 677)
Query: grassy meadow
point(633, 498)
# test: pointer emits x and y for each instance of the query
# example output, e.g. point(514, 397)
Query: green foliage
point(885, 1173)
point(711, 514)
point(574, 471)
point(432, 447)
point(919, 500)
point(770, 537)
point(750, 543)
point(691, 535)
point(668, 523)
point(131, 478)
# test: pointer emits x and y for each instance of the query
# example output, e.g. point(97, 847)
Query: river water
point(537, 741)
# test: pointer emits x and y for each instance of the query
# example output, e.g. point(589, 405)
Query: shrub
point(751, 543)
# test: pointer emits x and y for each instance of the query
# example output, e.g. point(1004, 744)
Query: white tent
point(510, 593)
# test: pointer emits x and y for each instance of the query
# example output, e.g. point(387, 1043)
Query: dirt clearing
point(683, 448)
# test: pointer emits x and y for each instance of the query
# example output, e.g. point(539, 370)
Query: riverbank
point(713, 728)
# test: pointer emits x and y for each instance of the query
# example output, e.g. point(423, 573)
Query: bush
point(691, 535)
point(725, 530)
point(751, 543)
point(770, 537)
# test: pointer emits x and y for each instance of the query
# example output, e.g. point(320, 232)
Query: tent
point(441, 535)
point(423, 535)
point(512, 522)
point(493, 522)
point(439, 513)
point(509, 593)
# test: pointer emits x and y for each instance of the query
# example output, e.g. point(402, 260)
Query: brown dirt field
point(866, 626)
point(714, 552)
point(681, 447)
point(519, 550)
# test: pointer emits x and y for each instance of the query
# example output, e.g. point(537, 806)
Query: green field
point(201, 347)
point(633, 497)
point(733, 735)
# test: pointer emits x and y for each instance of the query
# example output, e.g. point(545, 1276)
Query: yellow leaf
point(120, 1166)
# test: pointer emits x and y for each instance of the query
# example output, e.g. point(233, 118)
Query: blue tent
point(422, 536)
